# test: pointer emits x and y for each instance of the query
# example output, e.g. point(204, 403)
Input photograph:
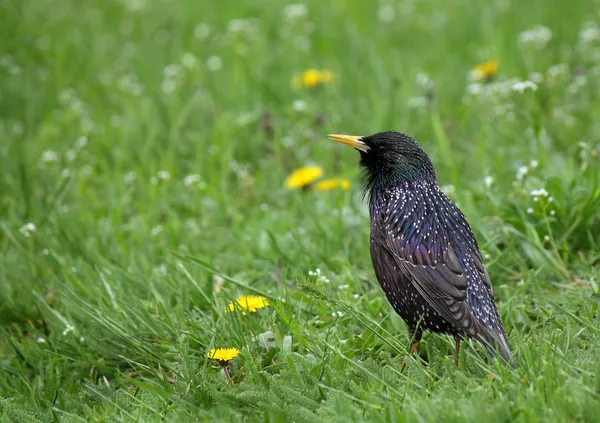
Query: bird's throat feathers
point(377, 180)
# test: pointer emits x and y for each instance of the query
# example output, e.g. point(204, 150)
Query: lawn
point(144, 149)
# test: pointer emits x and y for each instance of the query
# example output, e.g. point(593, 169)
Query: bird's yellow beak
point(350, 140)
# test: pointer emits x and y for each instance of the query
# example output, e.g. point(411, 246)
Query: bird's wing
point(434, 269)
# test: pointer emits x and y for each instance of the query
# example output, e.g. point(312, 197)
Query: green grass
point(109, 307)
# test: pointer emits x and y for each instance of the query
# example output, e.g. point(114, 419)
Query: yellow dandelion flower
point(303, 177)
point(485, 70)
point(249, 303)
point(331, 184)
point(223, 354)
point(311, 78)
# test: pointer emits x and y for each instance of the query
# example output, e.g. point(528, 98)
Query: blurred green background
point(144, 149)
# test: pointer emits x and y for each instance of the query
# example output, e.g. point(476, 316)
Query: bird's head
point(389, 157)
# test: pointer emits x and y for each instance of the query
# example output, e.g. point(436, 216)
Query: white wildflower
point(189, 60)
point(299, 105)
point(386, 13)
point(129, 177)
point(214, 63)
point(337, 313)
point(68, 329)
point(346, 286)
point(417, 102)
point(50, 156)
point(530, 210)
point(202, 31)
point(191, 179)
point(533, 164)
point(539, 192)
point(522, 86)
point(295, 11)
point(27, 229)
point(552, 212)
point(356, 296)
point(546, 238)
point(521, 172)
point(172, 70)
point(488, 181)
point(537, 37)
point(536, 77)
point(448, 189)
point(589, 33)
point(40, 340)
point(164, 175)
point(156, 230)
point(423, 80)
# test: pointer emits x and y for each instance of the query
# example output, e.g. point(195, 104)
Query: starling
point(425, 256)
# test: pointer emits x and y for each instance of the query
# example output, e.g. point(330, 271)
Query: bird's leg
point(457, 345)
point(413, 347)
point(415, 335)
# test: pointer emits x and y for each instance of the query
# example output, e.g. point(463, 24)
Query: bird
point(423, 250)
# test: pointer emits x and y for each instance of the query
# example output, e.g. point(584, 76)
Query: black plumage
point(423, 250)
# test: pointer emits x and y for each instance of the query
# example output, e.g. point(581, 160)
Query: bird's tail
point(496, 344)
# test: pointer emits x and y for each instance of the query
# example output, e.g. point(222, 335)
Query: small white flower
point(27, 229)
point(156, 230)
point(539, 192)
point(521, 172)
point(536, 77)
point(356, 296)
point(533, 164)
point(40, 340)
point(550, 199)
point(299, 105)
point(488, 181)
point(537, 37)
point(344, 286)
point(161, 270)
point(65, 173)
point(129, 177)
point(189, 60)
point(552, 212)
point(475, 88)
point(68, 329)
point(386, 13)
point(164, 175)
point(191, 179)
point(214, 63)
point(546, 238)
point(423, 80)
point(46, 252)
point(202, 31)
point(522, 86)
point(589, 33)
point(50, 156)
point(337, 313)
point(172, 70)
point(530, 210)
point(448, 189)
point(417, 102)
point(296, 11)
